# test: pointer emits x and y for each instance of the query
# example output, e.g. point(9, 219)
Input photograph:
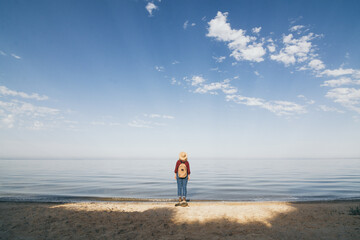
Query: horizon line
point(162, 158)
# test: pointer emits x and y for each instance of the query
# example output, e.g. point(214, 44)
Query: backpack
point(182, 170)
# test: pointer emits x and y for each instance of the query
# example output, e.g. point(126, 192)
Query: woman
point(182, 175)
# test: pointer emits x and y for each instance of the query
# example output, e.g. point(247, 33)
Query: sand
point(201, 220)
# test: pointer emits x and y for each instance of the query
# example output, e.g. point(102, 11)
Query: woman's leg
point(185, 187)
point(178, 185)
point(182, 187)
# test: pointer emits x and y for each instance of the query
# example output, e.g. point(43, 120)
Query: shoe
point(179, 203)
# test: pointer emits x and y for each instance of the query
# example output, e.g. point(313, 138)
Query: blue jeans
point(181, 184)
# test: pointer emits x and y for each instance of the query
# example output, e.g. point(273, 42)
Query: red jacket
point(186, 163)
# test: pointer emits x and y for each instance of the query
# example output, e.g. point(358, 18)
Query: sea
point(153, 180)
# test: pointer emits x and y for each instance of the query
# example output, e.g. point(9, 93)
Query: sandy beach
point(201, 220)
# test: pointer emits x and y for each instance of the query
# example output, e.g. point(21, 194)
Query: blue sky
point(234, 79)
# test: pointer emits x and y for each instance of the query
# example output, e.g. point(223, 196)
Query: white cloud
point(140, 124)
point(175, 62)
point(339, 82)
point(115, 124)
point(219, 59)
point(15, 113)
point(186, 24)
point(243, 47)
point(316, 64)
point(168, 117)
point(37, 125)
point(253, 52)
point(2, 53)
point(8, 92)
point(258, 74)
point(338, 72)
point(19, 107)
point(329, 109)
point(271, 47)
point(8, 120)
point(211, 88)
point(96, 123)
point(159, 68)
point(24, 114)
point(174, 81)
point(308, 101)
point(155, 115)
point(283, 57)
point(99, 123)
point(356, 74)
point(15, 56)
point(150, 7)
point(294, 20)
point(149, 123)
point(284, 108)
point(196, 80)
point(280, 108)
point(256, 29)
point(249, 101)
point(71, 122)
point(294, 50)
point(301, 96)
point(221, 30)
point(296, 28)
point(347, 97)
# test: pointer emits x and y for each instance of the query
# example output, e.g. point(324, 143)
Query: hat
point(183, 156)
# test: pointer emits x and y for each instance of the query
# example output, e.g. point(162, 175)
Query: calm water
point(239, 180)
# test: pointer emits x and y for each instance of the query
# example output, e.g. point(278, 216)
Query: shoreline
point(76, 199)
point(162, 220)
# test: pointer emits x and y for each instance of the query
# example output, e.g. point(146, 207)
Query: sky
point(149, 79)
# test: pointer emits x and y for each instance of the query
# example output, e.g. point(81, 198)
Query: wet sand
point(201, 220)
